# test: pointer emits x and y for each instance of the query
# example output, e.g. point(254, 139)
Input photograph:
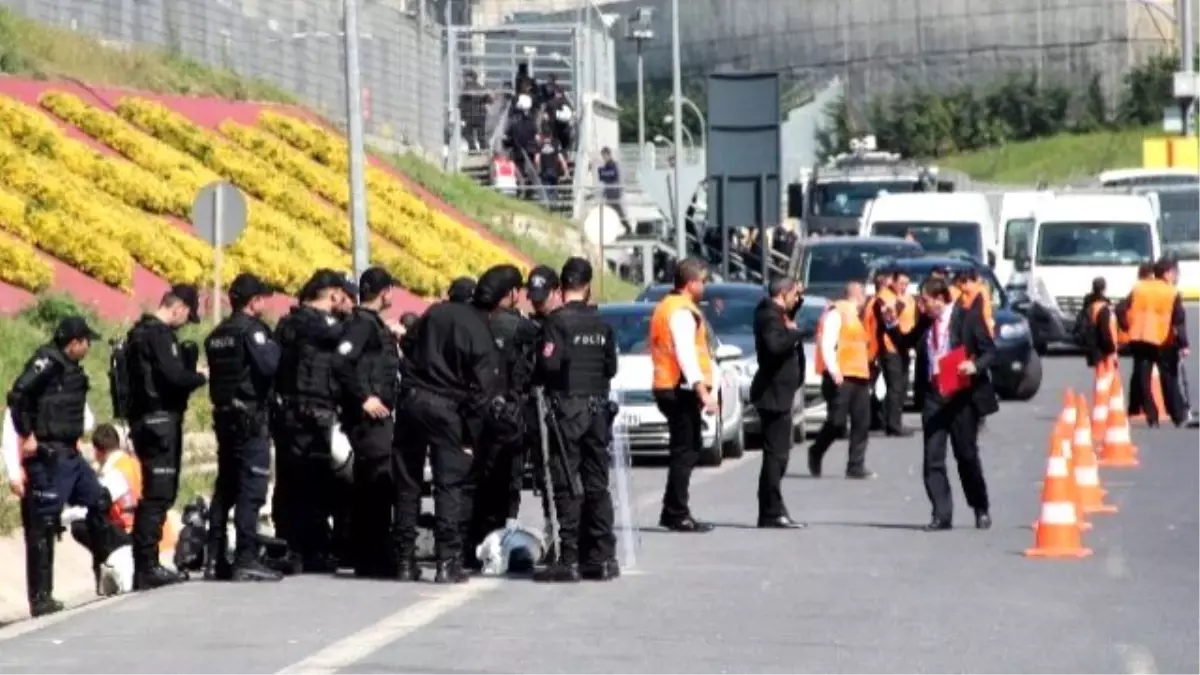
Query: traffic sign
point(219, 216)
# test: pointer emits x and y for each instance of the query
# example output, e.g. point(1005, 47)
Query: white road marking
point(1137, 659)
point(30, 625)
point(358, 646)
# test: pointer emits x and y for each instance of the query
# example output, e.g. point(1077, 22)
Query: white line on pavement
point(358, 646)
point(28, 626)
point(1137, 659)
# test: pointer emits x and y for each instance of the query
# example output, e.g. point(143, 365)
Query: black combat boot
point(146, 579)
point(558, 573)
point(216, 561)
point(408, 569)
point(605, 571)
point(451, 572)
point(39, 566)
point(247, 567)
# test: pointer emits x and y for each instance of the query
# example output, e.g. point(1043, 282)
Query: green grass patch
point(499, 214)
point(32, 49)
point(1056, 160)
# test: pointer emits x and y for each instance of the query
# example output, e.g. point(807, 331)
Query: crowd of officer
point(473, 385)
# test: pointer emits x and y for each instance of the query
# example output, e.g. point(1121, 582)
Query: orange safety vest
point(1151, 305)
point(977, 291)
point(955, 293)
point(1111, 328)
point(906, 318)
point(667, 373)
point(124, 505)
point(853, 343)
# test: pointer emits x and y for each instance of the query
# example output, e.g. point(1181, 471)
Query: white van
point(1015, 231)
point(943, 223)
point(1078, 237)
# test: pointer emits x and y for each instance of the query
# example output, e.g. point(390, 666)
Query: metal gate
point(482, 69)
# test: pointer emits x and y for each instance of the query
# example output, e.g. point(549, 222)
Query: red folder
point(949, 380)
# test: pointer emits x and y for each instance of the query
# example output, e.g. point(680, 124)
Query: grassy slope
point(1059, 159)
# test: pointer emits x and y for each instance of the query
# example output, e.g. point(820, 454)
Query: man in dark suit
point(777, 345)
point(945, 325)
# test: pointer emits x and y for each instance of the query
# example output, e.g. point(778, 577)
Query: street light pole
point(354, 127)
point(641, 99)
point(677, 111)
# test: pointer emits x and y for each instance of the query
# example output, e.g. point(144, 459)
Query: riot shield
point(620, 485)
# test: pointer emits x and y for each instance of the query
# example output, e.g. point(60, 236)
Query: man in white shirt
point(843, 362)
point(683, 384)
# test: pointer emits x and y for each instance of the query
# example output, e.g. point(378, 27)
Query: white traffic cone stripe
point(1068, 415)
point(1117, 401)
point(1057, 467)
point(1066, 448)
point(1087, 476)
point(1058, 513)
point(1117, 435)
point(1083, 436)
point(1100, 413)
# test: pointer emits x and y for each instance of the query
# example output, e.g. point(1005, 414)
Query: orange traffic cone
point(1118, 450)
point(1057, 533)
point(1060, 441)
point(1064, 428)
point(1105, 373)
point(1089, 495)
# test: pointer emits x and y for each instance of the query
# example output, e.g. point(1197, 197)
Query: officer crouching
point(243, 358)
point(577, 361)
point(303, 422)
point(47, 403)
point(450, 387)
point(367, 367)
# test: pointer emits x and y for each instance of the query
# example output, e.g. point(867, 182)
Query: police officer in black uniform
point(461, 290)
point(499, 463)
point(47, 403)
point(162, 376)
point(367, 371)
point(542, 291)
point(244, 358)
point(303, 421)
point(578, 359)
point(451, 391)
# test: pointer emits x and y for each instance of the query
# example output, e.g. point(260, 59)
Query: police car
point(644, 427)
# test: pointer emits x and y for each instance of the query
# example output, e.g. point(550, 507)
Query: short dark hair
point(780, 285)
point(1165, 264)
point(936, 287)
point(105, 437)
point(1145, 270)
point(1099, 285)
point(689, 270)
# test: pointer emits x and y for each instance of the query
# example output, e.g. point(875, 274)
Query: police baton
point(551, 507)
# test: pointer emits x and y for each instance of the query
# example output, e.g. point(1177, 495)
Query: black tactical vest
point(504, 324)
point(305, 370)
point(60, 408)
point(229, 376)
point(587, 338)
point(379, 365)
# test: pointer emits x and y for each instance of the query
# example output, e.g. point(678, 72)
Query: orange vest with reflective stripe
point(1151, 305)
point(1111, 328)
point(978, 291)
point(667, 373)
point(853, 343)
point(123, 506)
point(884, 298)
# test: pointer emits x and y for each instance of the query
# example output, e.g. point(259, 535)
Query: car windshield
point(958, 239)
point(848, 260)
point(728, 292)
point(1016, 237)
point(849, 198)
point(732, 317)
point(631, 329)
point(1107, 244)
point(1180, 229)
point(1152, 180)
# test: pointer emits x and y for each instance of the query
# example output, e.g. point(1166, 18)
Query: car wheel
point(1031, 382)
point(736, 447)
point(714, 454)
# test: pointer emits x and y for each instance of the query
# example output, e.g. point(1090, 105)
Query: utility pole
point(354, 127)
point(1186, 79)
point(677, 112)
point(641, 31)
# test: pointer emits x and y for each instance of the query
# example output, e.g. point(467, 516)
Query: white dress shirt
point(683, 326)
point(936, 351)
point(830, 331)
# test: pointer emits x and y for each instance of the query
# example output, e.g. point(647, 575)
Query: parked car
point(729, 308)
point(646, 427)
point(1017, 372)
point(827, 264)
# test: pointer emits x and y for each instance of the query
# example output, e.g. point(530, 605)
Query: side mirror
point(991, 259)
point(728, 353)
point(1021, 262)
point(945, 186)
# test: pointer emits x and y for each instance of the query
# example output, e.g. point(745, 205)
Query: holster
point(245, 419)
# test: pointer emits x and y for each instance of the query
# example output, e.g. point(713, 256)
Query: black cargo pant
point(432, 426)
point(579, 470)
point(243, 477)
point(681, 407)
point(158, 443)
point(848, 404)
point(374, 496)
point(777, 426)
point(302, 504)
point(894, 370)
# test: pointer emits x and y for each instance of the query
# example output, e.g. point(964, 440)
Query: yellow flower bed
point(330, 151)
point(273, 246)
point(20, 265)
point(468, 255)
point(410, 263)
point(72, 238)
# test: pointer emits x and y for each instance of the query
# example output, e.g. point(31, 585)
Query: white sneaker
point(116, 574)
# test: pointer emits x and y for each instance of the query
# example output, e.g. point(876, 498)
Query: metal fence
point(296, 45)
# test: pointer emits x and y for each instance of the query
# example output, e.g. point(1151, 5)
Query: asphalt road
point(861, 590)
